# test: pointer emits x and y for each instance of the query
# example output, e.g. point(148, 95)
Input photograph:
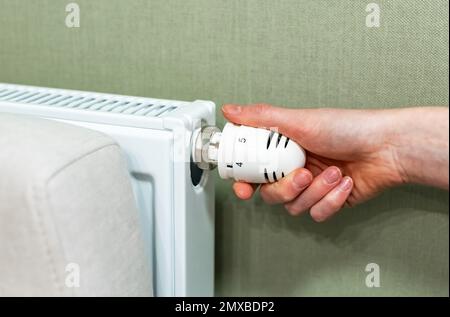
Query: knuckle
point(318, 218)
point(286, 196)
point(293, 210)
point(284, 190)
point(325, 210)
point(317, 214)
point(276, 193)
point(333, 205)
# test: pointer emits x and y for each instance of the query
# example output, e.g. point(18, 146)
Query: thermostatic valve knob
point(247, 154)
point(257, 155)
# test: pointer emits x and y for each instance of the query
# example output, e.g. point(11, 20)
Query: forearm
point(421, 145)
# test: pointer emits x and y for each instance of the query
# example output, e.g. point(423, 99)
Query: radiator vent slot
point(87, 101)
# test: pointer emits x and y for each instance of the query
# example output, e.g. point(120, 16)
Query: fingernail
point(232, 109)
point(302, 180)
point(332, 175)
point(346, 184)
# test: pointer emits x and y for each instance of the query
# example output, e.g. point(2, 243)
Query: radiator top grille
point(86, 101)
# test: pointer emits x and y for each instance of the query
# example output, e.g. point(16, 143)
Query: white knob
point(256, 155)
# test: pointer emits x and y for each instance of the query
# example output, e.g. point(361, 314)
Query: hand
point(351, 155)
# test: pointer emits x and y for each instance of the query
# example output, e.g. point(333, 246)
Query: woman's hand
point(351, 154)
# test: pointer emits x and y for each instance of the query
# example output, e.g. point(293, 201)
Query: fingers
point(287, 188)
point(287, 121)
point(320, 186)
point(324, 195)
point(244, 191)
point(333, 201)
point(282, 191)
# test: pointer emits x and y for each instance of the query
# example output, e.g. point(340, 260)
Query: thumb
point(285, 121)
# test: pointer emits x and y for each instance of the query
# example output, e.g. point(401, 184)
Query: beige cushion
point(66, 197)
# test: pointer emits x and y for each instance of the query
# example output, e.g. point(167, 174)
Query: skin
point(352, 155)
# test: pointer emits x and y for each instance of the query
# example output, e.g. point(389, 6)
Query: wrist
point(392, 145)
point(419, 141)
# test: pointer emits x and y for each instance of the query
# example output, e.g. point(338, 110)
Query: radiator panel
point(177, 218)
point(87, 101)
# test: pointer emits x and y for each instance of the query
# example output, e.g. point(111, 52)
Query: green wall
point(295, 53)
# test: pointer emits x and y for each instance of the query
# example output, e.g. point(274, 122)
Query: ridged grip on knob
point(257, 155)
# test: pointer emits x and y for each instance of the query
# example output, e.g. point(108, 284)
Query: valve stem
point(205, 147)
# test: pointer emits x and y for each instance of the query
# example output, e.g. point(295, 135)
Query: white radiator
point(175, 197)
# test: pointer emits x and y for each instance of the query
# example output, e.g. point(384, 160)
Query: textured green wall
point(295, 53)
